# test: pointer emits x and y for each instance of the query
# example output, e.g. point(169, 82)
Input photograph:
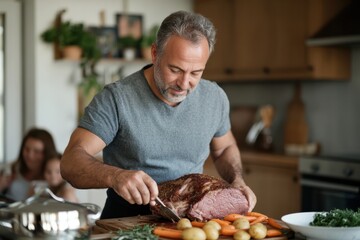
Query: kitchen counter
point(105, 226)
point(269, 159)
point(254, 157)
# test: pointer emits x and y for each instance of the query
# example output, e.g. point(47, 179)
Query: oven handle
point(339, 187)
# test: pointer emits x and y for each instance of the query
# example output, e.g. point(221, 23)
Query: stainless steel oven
point(330, 182)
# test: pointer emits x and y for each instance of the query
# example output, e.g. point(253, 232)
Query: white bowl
point(300, 222)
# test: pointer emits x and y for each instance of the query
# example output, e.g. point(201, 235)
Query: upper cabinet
point(259, 40)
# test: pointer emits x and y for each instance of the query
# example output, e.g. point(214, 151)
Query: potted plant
point(128, 45)
point(69, 36)
point(147, 40)
point(75, 37)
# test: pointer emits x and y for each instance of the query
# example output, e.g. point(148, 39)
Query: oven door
point(325, 195)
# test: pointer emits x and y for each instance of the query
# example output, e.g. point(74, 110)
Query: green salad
point(337, 218)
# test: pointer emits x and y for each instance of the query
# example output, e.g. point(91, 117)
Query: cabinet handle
point(247, 170)
point(266, 70)
point(295, 179)
point(229, 71)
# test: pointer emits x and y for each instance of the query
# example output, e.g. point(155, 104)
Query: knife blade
point(169, 213)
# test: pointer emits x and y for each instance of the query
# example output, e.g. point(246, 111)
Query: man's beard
point(165, 90)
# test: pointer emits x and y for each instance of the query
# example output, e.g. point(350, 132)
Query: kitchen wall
point(46, 78)
point(50, 85)
point(332, 108)
point(51, 96)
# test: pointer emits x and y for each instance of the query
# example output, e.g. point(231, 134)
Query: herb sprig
point(337, 218)
point(143, 232)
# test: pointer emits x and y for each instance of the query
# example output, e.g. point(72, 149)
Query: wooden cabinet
point(221, 61)
point(275, 181)
point(259, 39)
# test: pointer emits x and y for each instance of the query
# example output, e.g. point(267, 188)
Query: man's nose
point(184, 81)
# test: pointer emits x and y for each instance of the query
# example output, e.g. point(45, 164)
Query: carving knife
point(169, 213)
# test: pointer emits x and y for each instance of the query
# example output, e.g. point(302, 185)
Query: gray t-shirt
point(142, 132)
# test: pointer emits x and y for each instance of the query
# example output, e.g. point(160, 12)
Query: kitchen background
point(49, 87)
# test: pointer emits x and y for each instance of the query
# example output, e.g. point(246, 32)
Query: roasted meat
point(201, 197)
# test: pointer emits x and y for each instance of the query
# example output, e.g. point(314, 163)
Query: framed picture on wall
point(106, 38)
point(129, 28)
point(129, 25)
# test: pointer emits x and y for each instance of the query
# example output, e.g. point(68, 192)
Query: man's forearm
point(229, 167)
point(82, 170)
point(227, 161)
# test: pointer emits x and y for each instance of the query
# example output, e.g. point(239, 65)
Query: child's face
point(52, 172)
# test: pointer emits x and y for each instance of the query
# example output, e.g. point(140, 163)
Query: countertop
point(255, 157)
point(105, 226)
point(265, 158)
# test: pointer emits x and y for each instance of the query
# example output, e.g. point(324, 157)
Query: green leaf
point(128, 42)
point(143, 232)
point(337, 218)
point(150, 37)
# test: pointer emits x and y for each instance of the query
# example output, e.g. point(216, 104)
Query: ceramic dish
point(300, 222)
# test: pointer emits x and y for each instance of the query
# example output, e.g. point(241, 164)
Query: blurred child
point(56, 183)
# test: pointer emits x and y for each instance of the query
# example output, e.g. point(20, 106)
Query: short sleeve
point(101, 116)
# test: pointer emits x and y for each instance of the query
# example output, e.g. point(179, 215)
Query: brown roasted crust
point(197, 185)
point(183, 193)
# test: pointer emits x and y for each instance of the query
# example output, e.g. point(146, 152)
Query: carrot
point(197, 224)
point(251, 218)
point(228, 227)
point(234, 216)
point(228, 230)
point(167, 232)
point(273, 233)
point(256, 214)
point(221, 222)
point(272, 222)
point(259, 220)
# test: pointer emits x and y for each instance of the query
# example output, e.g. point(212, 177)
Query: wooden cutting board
point(108, 225)
point(296, 128)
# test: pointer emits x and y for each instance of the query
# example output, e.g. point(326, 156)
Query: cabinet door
point(221, 14)
point(265, 39)
point(328, 62)
point(256, 39)
point(270, 37)
point(277, 189)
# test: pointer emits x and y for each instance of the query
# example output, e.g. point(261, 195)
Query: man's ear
point(153, 53)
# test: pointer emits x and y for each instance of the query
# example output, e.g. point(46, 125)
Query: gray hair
point(190, 26)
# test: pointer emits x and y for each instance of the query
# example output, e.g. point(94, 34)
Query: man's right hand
point(82, 170)
point(135, 186)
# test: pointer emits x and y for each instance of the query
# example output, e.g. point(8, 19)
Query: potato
point(193, 233)
point(183, 224)
point(258, 231)
point(216, 225)
point(241, 235)
point(212, 233)
point(241, 223)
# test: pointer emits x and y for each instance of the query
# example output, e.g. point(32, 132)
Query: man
point(157, 124)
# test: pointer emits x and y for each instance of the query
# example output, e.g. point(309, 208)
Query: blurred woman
point(36, 148)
